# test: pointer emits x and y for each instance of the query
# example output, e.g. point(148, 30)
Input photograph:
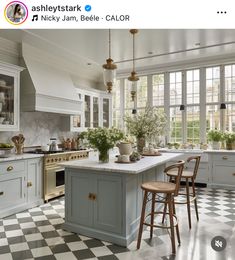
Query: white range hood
point(46, 88)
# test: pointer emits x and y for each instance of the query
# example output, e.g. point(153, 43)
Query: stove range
point(53, 173)
point(39, 151)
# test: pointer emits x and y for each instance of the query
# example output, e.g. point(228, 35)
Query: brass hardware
point(29, 184)
point(225, 158)
point(90, 196)
point(1, 193)
point(233, 174)
point(9, 168)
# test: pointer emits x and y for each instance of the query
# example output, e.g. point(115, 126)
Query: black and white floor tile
point(38, 234)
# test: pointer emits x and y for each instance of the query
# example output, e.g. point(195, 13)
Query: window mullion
point(203, 105)
point(222, 97)
point(184, 114)
point(167, 103)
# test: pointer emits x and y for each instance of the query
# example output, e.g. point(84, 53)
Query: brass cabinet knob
point(1, 193)
point(90, 196)
point(233, 174)
point(10, 168)
point(29, 184)
point(94, 196)
point(225, 158)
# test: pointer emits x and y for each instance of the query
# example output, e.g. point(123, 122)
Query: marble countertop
point(220, 151)
point(144, 164)
point(13, 157)
point(197, 151)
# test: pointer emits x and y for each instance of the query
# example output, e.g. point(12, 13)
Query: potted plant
point(147, 124)
point(103, 139)
point(229, 139)
point(215, 136)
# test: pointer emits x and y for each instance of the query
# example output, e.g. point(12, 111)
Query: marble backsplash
point(38, 128)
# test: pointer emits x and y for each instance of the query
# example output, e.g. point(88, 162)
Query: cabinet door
point(9, 96)
point(106, 112)
point(108, 211)
point(223, 174)
point(78, 205)
point(12, 190)
point(34, 180)
point(87, 110)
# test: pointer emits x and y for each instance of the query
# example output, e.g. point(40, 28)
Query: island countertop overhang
point(144, 164)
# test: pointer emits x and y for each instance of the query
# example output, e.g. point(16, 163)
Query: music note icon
point(35, 18)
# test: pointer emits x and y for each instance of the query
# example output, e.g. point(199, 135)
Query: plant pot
point(125, 148)
point(229, 145)
point(215, 145)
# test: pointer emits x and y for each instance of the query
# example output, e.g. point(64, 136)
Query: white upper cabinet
point(9, 97)
point(95, 112)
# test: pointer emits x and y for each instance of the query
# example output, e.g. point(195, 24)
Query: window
point(142, 92)
point(127, 95)
point(229, 83)
point(192, 106)
point(116, 92)
point(175, 125)
point(230, 118)
point(212, 84)
point(175, 88)
point(212, 117)
point(175, 101)
point(202, 97)
point(158, 90)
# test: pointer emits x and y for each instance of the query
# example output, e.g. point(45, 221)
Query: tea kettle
point(53, 145)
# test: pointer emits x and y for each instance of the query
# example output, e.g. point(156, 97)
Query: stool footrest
point(160, 226)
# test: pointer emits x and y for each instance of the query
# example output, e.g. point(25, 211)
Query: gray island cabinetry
point(104, 200)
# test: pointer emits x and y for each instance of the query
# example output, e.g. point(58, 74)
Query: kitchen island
point(103, 200)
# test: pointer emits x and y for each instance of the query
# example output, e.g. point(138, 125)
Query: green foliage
point(148, 123)
point(102, 139)
point(214, 135)
point(229, 137)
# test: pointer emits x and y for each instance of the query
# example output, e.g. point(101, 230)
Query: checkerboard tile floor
point(37, 233)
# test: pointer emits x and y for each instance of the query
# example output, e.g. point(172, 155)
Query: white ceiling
point(91, 45)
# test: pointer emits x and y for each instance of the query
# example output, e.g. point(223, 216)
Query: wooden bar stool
point(170, 190)
point(190, 196)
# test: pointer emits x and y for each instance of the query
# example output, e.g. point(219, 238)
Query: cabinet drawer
point(223, 158)
point(12, 167)
point(224, 174)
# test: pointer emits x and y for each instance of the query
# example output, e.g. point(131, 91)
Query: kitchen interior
point(117, 144)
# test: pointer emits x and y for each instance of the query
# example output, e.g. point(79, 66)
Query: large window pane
point(175, 88)
point(230, 118)
point(175, 125)
point(230, 83)
point(127, 93)
point(116, 95)
point(193, 124)
point(142, 92)
point(212, 84)
point(212, 117)
point(116, 118)
point(192, 85)
point(158, 90)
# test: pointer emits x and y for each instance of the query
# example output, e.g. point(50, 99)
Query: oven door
point(54, 182)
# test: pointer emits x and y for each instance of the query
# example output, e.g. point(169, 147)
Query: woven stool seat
point(159, 187)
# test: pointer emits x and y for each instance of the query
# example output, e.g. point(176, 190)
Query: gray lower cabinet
point(12, 191)
point(34, 180)
point(99, 201)
point(20, 185)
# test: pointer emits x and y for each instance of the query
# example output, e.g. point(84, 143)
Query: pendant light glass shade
point(133, 78)
point(109, 72)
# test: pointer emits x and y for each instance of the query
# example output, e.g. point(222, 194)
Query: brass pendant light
point(133, 78)
point(109, 69)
